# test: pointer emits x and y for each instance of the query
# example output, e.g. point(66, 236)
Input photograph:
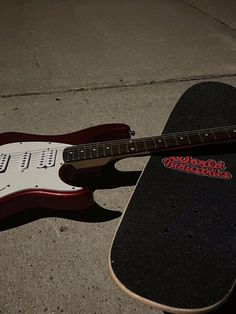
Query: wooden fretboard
point(150, 145)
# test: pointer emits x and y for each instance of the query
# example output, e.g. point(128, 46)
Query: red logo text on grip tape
point(210, 168)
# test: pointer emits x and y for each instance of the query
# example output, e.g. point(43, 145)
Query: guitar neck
point(149, 145)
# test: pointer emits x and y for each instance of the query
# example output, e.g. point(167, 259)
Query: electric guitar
point(35, 170)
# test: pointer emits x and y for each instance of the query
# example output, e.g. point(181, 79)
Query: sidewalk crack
point(37, 63)
point(194, 6)
point(124, 84)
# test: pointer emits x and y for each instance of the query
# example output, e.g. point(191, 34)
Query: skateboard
point(175, 247)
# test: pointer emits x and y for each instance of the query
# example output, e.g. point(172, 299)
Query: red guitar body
point(52, 198)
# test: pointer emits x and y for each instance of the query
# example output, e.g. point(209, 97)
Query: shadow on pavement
point(108, 178)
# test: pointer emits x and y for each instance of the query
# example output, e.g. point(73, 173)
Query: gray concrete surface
point(56, 45)
point(68, 65)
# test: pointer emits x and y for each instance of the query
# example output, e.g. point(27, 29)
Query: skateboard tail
point(167, 308)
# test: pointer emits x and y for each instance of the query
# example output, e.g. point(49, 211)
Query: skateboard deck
point(175, 247)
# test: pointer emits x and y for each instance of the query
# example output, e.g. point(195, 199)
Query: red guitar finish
point(63, 200)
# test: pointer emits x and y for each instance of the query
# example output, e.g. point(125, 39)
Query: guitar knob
point(131, 132)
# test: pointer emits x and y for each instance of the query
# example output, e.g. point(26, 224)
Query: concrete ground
point(68, 65)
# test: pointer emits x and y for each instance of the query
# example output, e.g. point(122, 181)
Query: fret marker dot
point(81, 151)
point(108, 147)
point(206, 134)
point(132, 148)
point(159, 141)
point(94, 149)
point(181, 138)
point(234, 131)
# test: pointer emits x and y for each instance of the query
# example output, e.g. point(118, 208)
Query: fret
point(160, 143)
point(127, 146)
point(207, 137)
point(100, 150)
point(154, 142)
point(86, 151)
point(195, 138)
point(131, 147)
point(165, 142)
point(141, 147)
point(89, 150)
point(183, 140)
point(221, 135)
point(123, 148)
point(188, 139)
point(118, 145)
point(170, 141)
point(107, 149)
point(176, 140)
point(81, 152)
point(200, 137)
point(75, 154)
point(150, 145)
point(213, 134)
point(119, 148)
point(145, 144)
point(115, 148)
point(232, 133)
point(93, 151)
point(97, 151)
point(70, 155)
point(227, 132)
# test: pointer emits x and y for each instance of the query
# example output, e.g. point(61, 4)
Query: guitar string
point(102, 144)
point(75, 148)
point(37, 154)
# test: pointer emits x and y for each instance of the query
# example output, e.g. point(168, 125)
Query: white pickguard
point(25, 167)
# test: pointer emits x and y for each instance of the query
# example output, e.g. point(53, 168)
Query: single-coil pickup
point(4, 159)
point(48, 158)
point(25, 161)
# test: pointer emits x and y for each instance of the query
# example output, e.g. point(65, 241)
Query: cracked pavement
point(221, 12)
point(69, 65)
